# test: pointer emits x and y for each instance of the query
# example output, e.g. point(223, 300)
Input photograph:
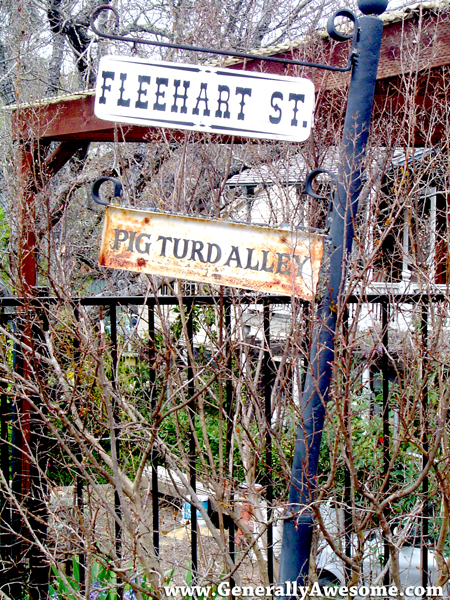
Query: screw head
point(372, 7)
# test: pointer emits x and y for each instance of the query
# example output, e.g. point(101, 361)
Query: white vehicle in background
point(331, 569)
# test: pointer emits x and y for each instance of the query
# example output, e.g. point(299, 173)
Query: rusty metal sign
point(216, 252)
point(203, 98)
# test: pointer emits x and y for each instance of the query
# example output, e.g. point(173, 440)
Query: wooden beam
point(74, 121)
point(61, 155)
point(66, 120)
point(406, 48)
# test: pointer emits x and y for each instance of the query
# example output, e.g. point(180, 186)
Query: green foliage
point(5, 235)
point(102, 584)
point(366, 430)
point(177, 325)
point(65, 588)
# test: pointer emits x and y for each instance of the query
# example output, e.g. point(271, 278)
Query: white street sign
point(206, 99)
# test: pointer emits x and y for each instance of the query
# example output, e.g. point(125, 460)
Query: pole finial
point(372, 7)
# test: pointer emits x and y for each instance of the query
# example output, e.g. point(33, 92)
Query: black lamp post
point(298, 526)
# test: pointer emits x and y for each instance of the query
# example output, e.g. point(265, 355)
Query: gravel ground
point(175, 539)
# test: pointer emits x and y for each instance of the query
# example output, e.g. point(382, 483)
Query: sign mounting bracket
point(333, 32)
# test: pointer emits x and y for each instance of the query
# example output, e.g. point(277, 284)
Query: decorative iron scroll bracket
point(95, 190)
point(331, 28)
point(310, 191)
point(310, 178)
point(118, 193)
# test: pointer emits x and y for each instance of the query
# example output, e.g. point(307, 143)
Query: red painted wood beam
point(406, 48)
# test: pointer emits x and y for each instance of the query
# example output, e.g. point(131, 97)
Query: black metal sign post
point(297, 535)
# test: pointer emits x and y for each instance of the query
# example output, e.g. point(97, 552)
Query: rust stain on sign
point(217, 252)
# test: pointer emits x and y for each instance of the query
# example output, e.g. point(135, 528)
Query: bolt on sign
point(216, 252)
point(205, 99)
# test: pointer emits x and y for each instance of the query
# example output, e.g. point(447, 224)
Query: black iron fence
point(24, 449)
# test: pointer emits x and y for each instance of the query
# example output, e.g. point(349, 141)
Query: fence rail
point(21, 428)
